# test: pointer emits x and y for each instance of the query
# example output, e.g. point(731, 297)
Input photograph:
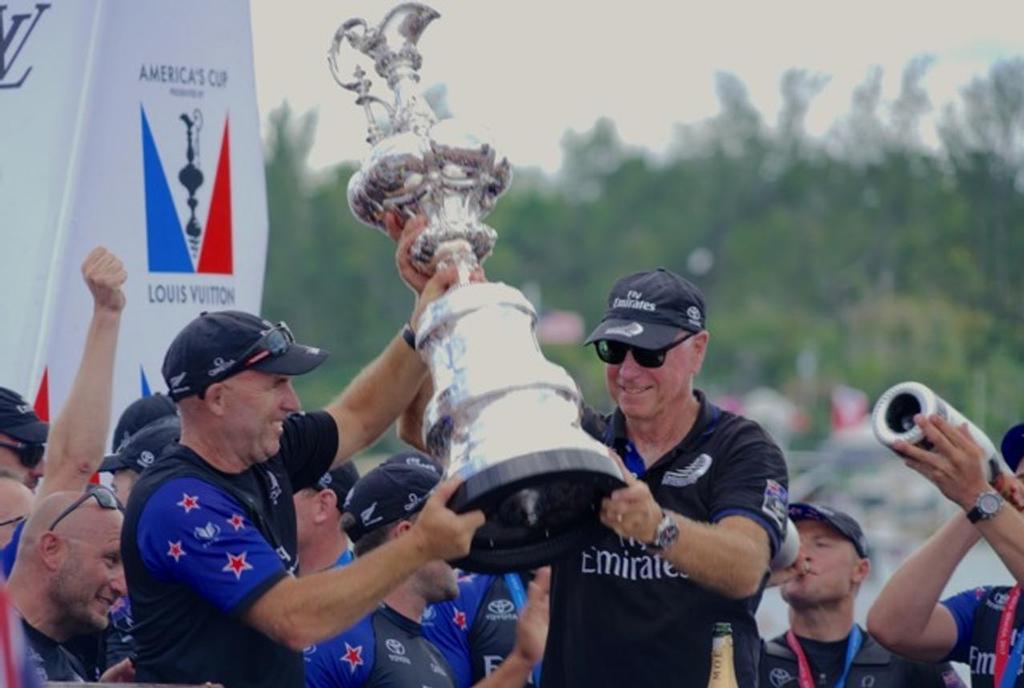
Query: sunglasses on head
point(103, 496)
point(272, 342)
point(29, 454)
point(614, 353)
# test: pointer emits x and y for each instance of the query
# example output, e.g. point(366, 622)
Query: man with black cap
point(823, 646)
point(139, 414)
point(387, 647)
point(321, 540)
point(138, 451)
point(22, 438)
point(691, 535)
point(209, 540)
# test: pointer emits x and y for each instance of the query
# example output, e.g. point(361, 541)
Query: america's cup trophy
point(502, 417)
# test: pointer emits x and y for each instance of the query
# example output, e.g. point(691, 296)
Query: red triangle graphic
point(42, 405)
point(216, 256)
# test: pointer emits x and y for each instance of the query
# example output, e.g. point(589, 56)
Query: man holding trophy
point(686, 543)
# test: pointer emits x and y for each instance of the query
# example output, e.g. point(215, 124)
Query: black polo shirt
point(623, 617)
point(201, 546)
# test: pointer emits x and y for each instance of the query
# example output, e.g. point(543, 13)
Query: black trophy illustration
point(191, 177)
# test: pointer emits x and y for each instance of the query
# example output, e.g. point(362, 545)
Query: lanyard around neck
point(806, 678)
point(1007, 662)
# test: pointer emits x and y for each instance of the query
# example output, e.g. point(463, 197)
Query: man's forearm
point(299, 612)
point(725, 557)
point(1005, 533)
point(78, 437)
point(513, 673)
point(904, 608)
point(375, 398)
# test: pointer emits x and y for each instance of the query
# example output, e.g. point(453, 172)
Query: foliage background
point(867, 254)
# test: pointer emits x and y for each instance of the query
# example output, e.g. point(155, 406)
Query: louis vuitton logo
point(10, 46)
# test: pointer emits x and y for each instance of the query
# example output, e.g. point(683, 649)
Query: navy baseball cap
point(18, 420)
point(215, 346)
point(841, 522)
point(648, 309)
point(393, 491)
point(139, 414)
point(339, 480)
point(144, 447)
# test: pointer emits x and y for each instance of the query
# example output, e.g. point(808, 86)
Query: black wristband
point(409, 336)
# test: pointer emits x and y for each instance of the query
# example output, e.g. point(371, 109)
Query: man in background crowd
point(318, 509)
point(388, 647)
point(823, 646)
point(67, 576)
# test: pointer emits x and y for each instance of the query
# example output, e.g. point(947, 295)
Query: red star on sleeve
point(460, 619)
point(188, 502)
point(354, 657)
point(236, 521)
point(176, 551)
point(237, 564)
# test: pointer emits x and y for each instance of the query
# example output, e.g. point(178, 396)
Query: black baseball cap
point(217, 345)
point(394, 490)
point(144, 447)
point(841, 522)
point(648, 309)
point(18, 420)
point(139, 414)
point(339, 480)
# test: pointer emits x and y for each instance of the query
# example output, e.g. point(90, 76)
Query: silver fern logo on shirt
point(688, 475)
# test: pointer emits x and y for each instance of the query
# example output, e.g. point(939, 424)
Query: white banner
point(138, 120)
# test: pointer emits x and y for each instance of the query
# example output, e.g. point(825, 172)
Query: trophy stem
point(459, 253)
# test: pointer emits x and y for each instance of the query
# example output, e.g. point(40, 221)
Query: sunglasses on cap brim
point(272, 343)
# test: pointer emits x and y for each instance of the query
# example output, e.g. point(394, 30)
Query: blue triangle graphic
point(165, 240)
point(145, 383)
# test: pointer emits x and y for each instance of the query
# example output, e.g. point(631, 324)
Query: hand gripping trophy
point(502, 417)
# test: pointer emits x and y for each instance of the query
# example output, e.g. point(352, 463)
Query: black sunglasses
point(615, 352)
point(273, 342)
point(29, 454)
point(104, 497)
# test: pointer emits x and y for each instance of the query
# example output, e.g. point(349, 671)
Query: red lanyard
point(1004, 633)
point(806, 678)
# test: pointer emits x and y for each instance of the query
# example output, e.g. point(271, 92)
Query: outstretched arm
point(79, 434)
point(906, 616)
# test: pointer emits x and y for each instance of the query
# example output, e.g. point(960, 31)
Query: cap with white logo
point(649, 309)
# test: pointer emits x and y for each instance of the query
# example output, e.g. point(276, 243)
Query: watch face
point(989, 503)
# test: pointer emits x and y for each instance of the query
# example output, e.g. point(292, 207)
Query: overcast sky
point(530, 69)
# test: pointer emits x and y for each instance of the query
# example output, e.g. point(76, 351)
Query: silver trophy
point(502, 417)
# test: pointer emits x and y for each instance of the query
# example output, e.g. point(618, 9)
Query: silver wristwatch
point(665, 534)
point(986, 506)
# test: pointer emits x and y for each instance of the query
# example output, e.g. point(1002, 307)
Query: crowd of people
point(233, 541)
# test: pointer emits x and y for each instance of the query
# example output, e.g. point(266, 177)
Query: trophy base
point(539, 507)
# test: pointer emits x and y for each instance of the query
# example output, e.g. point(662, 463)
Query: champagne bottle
point(723, 670)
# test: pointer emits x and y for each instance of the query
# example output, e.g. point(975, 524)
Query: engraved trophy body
point(502, 417)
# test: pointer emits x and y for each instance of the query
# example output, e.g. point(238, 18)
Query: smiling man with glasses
point(691, 535)
point(67, 576)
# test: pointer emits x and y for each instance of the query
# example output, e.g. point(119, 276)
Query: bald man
point(67, 575)
point(15, 503)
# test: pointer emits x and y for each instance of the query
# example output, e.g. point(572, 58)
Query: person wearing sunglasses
point(15, 504)
point(67, 576)
point(22, 438)
point(690, 537)
point(210, 542)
